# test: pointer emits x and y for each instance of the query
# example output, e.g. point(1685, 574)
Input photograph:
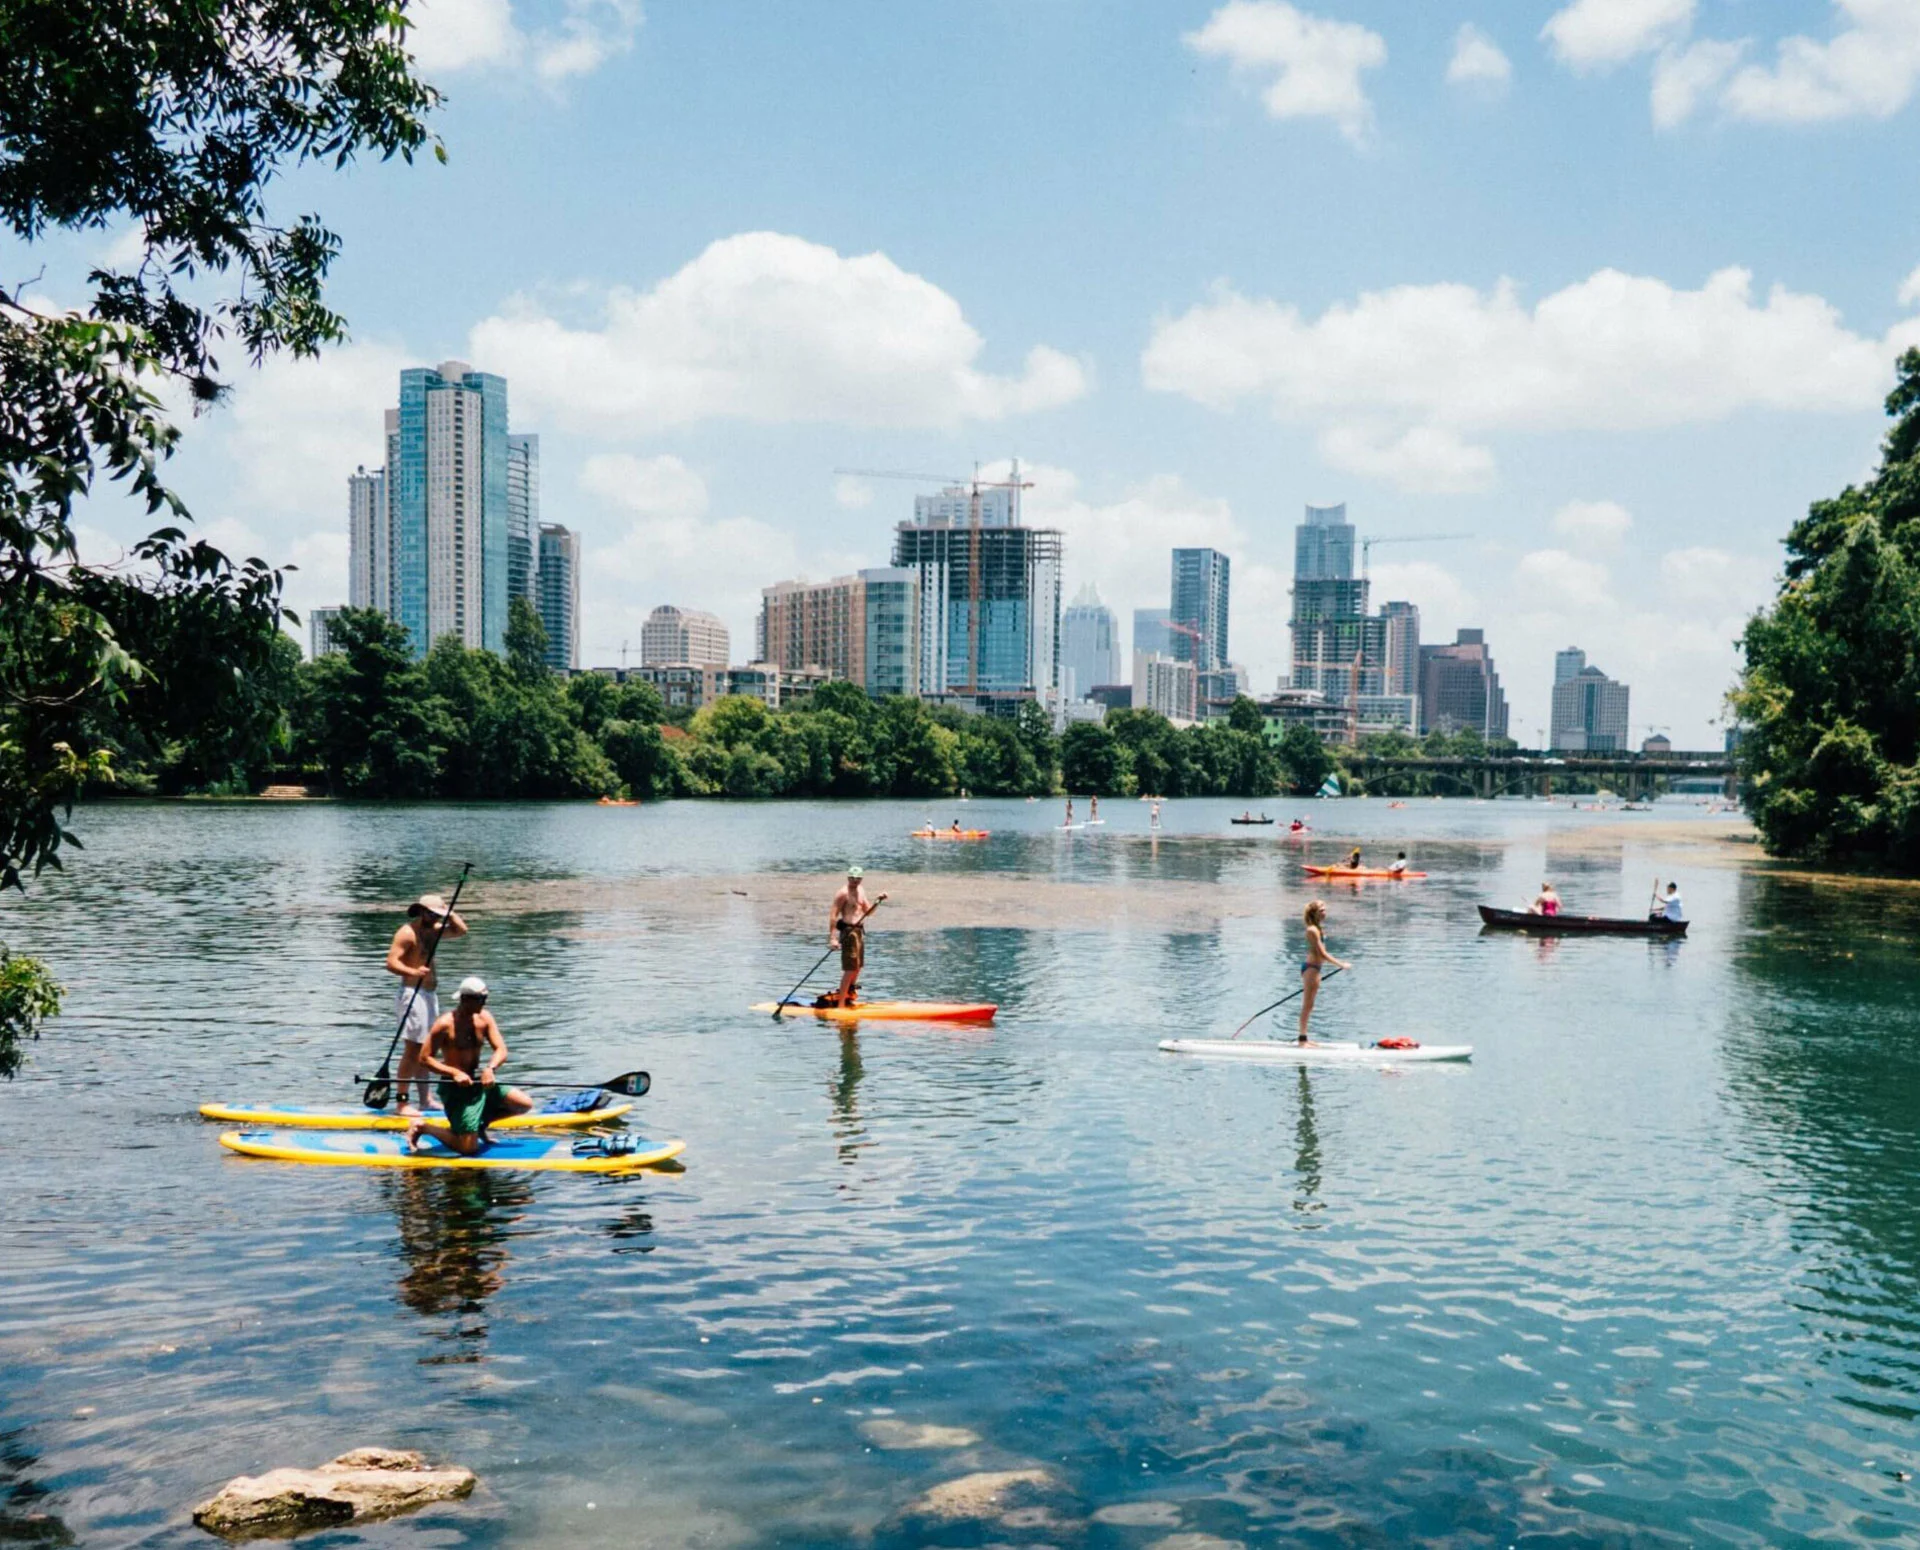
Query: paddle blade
point(633, 1085)
point(379, 1091)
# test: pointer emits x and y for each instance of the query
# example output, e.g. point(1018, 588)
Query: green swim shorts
point(472, 1107)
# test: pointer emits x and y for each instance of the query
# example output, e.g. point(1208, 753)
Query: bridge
point(1633, 775)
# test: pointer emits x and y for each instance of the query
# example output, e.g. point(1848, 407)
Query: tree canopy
point(1828, 702)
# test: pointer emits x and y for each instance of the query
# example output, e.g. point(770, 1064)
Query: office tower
point(1089, 645)
point(1459, 687)
point(1008, 646)
point(1589, 708)
point(683, 635)
point(1166, 686)
point(447, 486)
point(1151, 638)
point(320, 635)
point(369, 541)
point(1198, 616)
point(557, 572)
point(1338, 648)
point(1402, 647)
point(863, 628)
point(1568, 664)
point(523, 517)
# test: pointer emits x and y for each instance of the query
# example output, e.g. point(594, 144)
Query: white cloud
point(1611, 352)
point(1444, 601)
point(1593, 34)
point(1910, 290)
point(1426, 459)
point(660, 486)
point(768, 327)
point(1714, 582)
point(1593, 524)
point(1869, 69)
point(1315, 64)
point(1683, 78)
point(454, 35)
point(853, 493)
point(1556, 580)
point(1477, 60)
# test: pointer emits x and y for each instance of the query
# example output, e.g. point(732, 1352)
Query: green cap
point(855, 873)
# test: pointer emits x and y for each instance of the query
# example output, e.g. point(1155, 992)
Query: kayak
point(618, 802)
point(293, 1116)
point(1361, 871)
point(1254, 821)
point(1287, 1052)
point(544, 1154)
point(890, 1011)
point(1524, 920)
point(950, 834)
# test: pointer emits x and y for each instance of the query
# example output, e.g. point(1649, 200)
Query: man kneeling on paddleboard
point(469, 1093)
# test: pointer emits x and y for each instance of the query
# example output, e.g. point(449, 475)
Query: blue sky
point(1612, 286)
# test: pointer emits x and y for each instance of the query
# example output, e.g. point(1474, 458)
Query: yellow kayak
point(295, 1117)
point(889, 1011)
point(539, 1154)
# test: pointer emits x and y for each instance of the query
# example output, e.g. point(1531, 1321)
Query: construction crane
point(975, 485)
point(1366, 544)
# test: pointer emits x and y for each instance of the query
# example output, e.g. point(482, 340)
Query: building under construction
point(989, 597)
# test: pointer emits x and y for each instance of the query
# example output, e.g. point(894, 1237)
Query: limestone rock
point(890, 1433)
point(984, 1495)
point(357, 1487)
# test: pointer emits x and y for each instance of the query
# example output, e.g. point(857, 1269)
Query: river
point(1646, 1272)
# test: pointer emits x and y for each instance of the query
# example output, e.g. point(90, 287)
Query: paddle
point(629, 1084)
point(380, 1090)
point(787, 1000)
point(1278, 1004)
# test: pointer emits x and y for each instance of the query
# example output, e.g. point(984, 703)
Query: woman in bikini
point(1317, 959)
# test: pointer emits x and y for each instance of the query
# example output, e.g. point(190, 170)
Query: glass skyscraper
point(1089, 645)
point(558, 600)
point(523, 516)
point(1201, 584)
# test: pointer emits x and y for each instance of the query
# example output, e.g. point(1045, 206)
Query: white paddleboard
point(1286, 1052)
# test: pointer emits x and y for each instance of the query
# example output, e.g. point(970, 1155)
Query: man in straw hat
point(407, 957)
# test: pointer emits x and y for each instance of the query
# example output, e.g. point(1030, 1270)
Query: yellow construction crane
point(975, 485)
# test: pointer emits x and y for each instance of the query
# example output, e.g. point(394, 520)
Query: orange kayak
point(1360, 871)
point(950, 834)
point(890, 1011)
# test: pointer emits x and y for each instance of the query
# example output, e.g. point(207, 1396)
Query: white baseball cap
point(473, 986)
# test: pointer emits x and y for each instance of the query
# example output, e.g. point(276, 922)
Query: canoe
point(1521, 920)
point(890, 1011)
point(1255, 821)
point(1361, 871)
point(294, 1117)
point(618, 802)
point(1333, 1053)
point(950, 834)
point(539, 1154)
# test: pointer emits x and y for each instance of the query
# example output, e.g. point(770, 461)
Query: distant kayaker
point(407, 957)
point(1399, 867)
point(1317, 959)
point(1353, 861)
point(1670, 908)
point(847, 931)
point(1298, 826)
point(1546, 902)
point(465, 1050)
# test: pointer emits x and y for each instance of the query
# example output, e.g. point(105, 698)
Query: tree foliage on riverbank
point(1829, 697)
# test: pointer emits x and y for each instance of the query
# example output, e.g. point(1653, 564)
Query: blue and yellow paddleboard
point(295, 1117)
point(545, 1154)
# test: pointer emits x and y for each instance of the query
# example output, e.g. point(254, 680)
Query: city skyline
point(1627, 411)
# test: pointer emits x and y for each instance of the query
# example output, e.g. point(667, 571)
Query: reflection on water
point(1647, 1271)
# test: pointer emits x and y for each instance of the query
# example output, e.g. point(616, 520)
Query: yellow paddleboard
point(294, 1117)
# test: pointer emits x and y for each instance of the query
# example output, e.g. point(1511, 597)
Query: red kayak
point(1361, 871)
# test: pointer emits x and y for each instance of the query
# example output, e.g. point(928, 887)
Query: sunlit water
point(1647, 1271)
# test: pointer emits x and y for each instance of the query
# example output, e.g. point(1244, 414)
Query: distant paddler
point(1317, 958)
point(465, 1050)
point(1353, 860)
point(1670, 907)
point(409, 956)
point(847, 931)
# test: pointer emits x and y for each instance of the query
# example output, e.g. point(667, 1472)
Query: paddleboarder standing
point(847, 931)
point(428, 922)
point(469, 1092)
point(1317, 959)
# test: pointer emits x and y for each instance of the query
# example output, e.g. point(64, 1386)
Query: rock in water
point(357, 1487)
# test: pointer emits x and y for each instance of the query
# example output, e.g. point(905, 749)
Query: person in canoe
point(1399, 866)
point(428, 921)
point(1317, 959)
point(1353, 861)
point(847, 931)
point(1545, 902)
point(1670, 907)
point(465, 1050)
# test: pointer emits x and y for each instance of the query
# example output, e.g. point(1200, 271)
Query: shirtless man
point(847, 930)
point(407, 957)
point(468, 1091)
